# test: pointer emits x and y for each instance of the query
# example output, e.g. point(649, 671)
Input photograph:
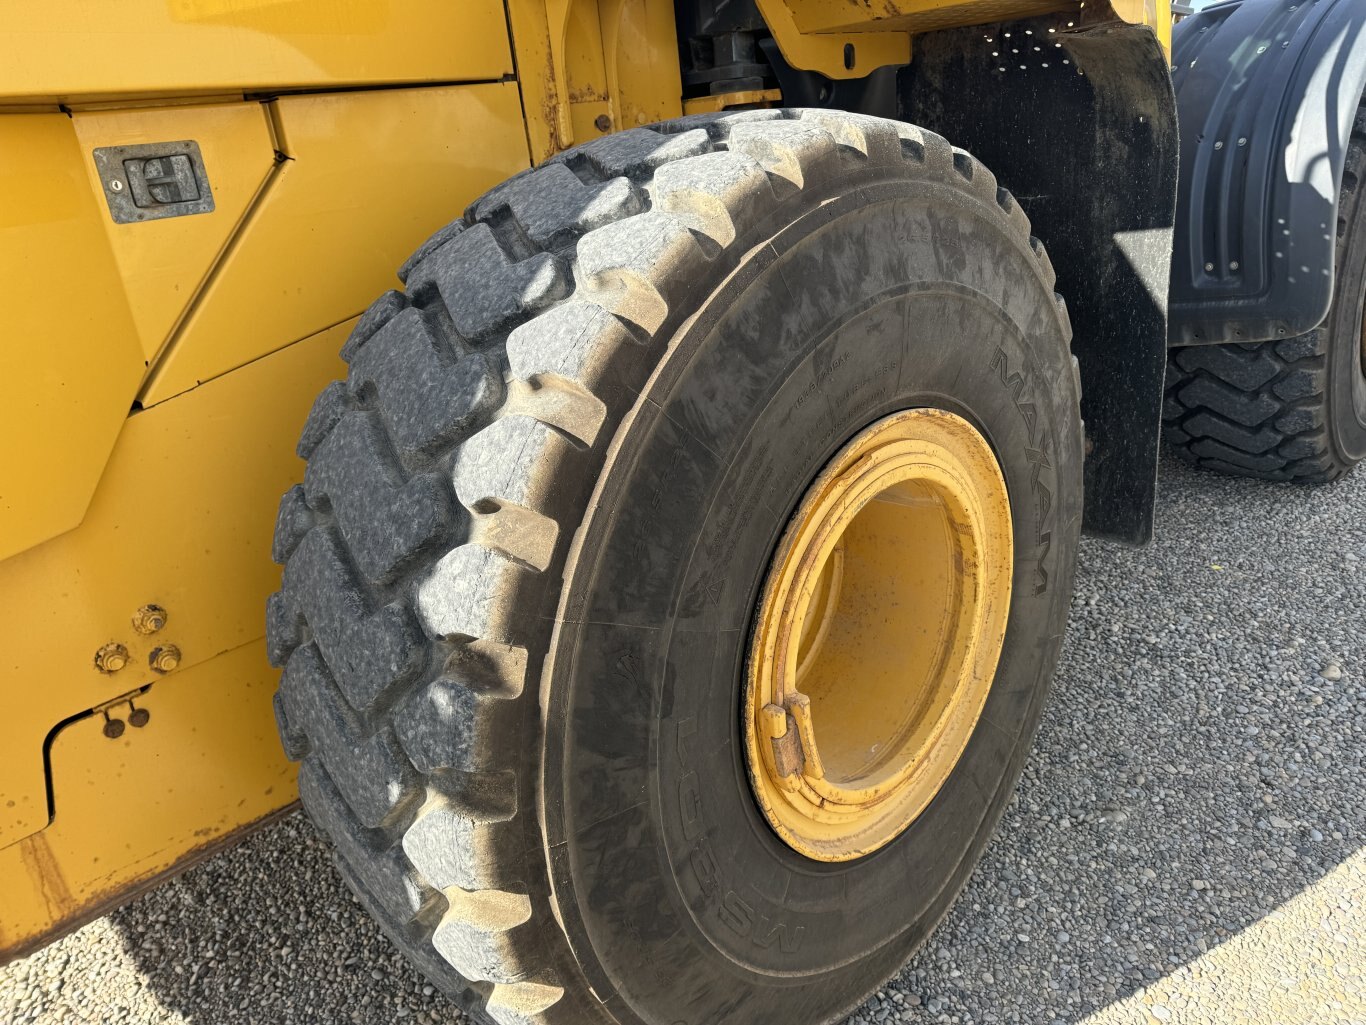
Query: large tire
point(507, 658)
point(1287, 410)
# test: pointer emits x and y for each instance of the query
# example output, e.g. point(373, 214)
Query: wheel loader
point(620, 463)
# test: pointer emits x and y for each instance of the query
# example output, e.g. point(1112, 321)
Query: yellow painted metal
point(369, 176)
point(205, 765)
point(581, 60)
point(643, 78)
point(878, 634)
point(848, 51)
point(69, 49)
point(163, 262)
point(71, 352)
point(1156, 14)
point(586, 70)
point(182, 520)
point(538, 38)
point(729, 101)
point(815, 16)
point(849, 38)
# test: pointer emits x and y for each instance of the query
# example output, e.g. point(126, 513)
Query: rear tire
point(1287, 410)
point(520, 571)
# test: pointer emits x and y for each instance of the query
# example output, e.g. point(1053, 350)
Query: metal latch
point(150, 181)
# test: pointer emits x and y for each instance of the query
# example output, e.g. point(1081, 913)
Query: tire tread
point(426, 502)
point(1260, 409)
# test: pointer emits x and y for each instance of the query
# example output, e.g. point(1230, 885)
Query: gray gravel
point(1185, 845)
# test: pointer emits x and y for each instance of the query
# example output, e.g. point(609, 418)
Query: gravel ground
point(1185, 845)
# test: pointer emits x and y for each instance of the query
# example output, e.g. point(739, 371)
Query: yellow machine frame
point(160, 371)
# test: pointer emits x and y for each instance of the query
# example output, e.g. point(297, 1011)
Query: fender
point(1079, 122)
point(1266, 92)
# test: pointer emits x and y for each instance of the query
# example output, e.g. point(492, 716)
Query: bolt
point(111, 658)
point(1233, 265)
point(138, 717)
point(1219, 144)
point(113, 728)
point(149, 619)
point(1209, 267)
point(603, 123)
point(164, 658)
point(1242, 142)
point(115, 185)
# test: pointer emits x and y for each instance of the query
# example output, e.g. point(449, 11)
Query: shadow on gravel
point(267, 934)
point(1201, 763)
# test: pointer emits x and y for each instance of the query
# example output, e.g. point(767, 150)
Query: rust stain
point(46, 875)
point(587, 95)
point(550, 105)
point(67, 913)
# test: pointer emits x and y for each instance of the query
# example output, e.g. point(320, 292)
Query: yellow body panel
point(369, 175)
point(64, 50)
point(183, 520)
point(207, 764)
point(163, 262)
point(643, 78)
point(844, 39)
point(581, 61)
point(69, 336)
point(911, 15)
point(1156, 14)
point(821, 50)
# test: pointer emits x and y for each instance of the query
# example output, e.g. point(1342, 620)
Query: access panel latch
point(150, 181)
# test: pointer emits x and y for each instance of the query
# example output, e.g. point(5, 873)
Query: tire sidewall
point(1347, 383)
point(855, 301)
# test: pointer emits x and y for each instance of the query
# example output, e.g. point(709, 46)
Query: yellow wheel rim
point(878, 634)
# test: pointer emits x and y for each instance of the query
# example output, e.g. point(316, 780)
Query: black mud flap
point(1266, 90)
point(1078, 120)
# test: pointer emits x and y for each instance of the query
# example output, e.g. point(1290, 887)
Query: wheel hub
point(878, 634)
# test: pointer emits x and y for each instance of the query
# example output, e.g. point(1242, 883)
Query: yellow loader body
point(160, 367)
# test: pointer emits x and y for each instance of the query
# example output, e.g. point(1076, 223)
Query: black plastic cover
point(1079, 123)
point(1266, 91)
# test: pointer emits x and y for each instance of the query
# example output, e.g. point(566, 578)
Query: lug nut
point(164, 658)
point(149, 619)
point(111, 658)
